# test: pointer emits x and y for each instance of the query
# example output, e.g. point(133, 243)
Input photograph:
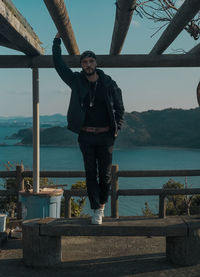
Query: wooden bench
point(42, 237)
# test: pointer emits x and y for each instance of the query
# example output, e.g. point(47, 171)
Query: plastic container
point(3, 222)
point(46, 203)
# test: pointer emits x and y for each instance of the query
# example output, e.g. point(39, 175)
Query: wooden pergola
point(16, 33)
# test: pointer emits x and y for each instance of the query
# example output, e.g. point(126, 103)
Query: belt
point(95, 130)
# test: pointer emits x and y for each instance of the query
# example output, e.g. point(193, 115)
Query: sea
point(136, 158)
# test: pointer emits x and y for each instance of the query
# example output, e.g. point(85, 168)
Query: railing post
point(67, 197)
point(162, 206)
point(20, 186)
point(114, 192)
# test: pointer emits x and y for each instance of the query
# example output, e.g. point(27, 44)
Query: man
point(96, 113)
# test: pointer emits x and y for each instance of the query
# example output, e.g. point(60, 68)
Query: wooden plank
point(124, 13)
point(5, 174)
point(140, 192)
point(128, 226)
point(75, 192)
point(56, 174)
point(121, 173)
point(6, 43)
point(8, 193)
point(104, 61)
point(59, 14)
point(158, 173)
point(16, 33)
point(184, 14)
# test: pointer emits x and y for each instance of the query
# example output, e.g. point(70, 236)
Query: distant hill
point(45, 121)
point(169, 127)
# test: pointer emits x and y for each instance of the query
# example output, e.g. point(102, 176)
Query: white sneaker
point(97, 217)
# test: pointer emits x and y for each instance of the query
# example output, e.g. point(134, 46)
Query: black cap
point(87, 54)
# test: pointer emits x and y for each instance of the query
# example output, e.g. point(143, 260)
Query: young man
point(96, 113)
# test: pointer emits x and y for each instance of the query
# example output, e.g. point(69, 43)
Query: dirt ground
point(99, 256)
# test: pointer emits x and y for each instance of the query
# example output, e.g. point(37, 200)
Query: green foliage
point(78, 204)
point(176, 204)
point(195, 205)
point(147, 211)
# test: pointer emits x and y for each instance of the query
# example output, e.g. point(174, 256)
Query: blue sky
point(93, 21)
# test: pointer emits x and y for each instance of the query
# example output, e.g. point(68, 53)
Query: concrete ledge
point(125, 226)
point(42, 237)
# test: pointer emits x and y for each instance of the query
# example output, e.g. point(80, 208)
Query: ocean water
point(138, 158)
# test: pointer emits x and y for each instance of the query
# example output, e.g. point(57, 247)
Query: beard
point(89, 73)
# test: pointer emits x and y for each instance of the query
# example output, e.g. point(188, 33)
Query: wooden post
point(36, 131)
point(67, 196)
point(19, 177)
point(59, 14)
point(184, 14)
point(162, 206)
point(114, 192)
point(124, 13)
point(20, 186)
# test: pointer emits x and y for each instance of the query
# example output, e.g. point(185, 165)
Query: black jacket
point(79, 85)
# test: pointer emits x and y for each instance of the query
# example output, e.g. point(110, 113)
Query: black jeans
point(97, 155)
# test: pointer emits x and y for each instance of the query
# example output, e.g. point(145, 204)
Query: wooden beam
point(104, 61)
point(124, 13)
point(16, 33)
point(59, 14)
point(195, 50)
point(6, 43)
point(185, 13)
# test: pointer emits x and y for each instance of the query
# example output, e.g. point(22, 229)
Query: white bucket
point(3, 222)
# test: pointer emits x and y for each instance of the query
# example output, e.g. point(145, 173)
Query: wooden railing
point(115, 192)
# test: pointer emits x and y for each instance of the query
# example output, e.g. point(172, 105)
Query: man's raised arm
point(65, 73)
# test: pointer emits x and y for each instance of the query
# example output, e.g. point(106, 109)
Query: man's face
point(89, 65)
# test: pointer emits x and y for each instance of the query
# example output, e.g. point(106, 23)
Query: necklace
point(92, 94)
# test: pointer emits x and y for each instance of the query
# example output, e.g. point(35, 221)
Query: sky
point(92, 21)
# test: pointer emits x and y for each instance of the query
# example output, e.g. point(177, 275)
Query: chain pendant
point(91, 104)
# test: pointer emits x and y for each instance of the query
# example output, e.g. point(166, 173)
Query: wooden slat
point(14, 31)
point(59, 14)
point(104, 61)
point(124, 13)
point(56, 174)
point(5, 174)
point(8, 192)
point(185, 13)
point(158, 173)
point(120, 173)
point(6, 43)
point(141, 192)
